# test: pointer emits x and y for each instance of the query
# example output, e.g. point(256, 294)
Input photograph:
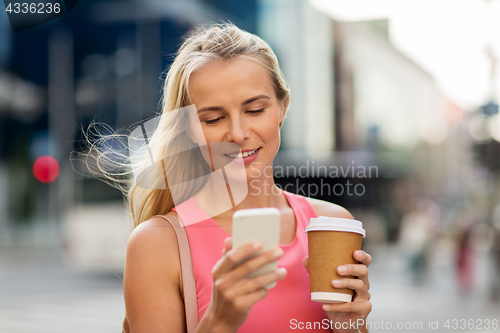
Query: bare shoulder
point(153, 233)
point(154, 239)
point(154, 242)
point(325, 208)
point(151, 278)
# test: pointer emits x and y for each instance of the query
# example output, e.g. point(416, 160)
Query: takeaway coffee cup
point(332, 242)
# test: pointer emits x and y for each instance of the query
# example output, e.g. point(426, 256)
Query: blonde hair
point(215, 42)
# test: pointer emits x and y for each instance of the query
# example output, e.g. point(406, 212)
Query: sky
point(447, 38)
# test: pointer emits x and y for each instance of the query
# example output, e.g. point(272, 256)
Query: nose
point(238, 131)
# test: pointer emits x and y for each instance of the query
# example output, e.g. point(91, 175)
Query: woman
point(232, 80)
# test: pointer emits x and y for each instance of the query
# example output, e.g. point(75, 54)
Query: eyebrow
point(248, 101)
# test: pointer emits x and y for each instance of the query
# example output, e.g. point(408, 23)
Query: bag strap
point(188, 283)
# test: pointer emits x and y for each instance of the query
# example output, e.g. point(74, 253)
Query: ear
point(283, 106)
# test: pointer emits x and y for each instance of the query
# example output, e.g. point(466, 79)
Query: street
point(40, 294)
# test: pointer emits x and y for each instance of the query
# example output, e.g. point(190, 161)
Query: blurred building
point(387, 104)
point(382, 96)
point(357, 101)
point(301, 38)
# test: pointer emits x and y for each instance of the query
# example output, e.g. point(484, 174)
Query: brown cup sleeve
point(327, 251)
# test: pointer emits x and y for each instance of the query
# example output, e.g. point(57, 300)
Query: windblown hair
point(215, 42)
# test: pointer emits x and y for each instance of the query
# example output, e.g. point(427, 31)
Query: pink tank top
point(288, 306)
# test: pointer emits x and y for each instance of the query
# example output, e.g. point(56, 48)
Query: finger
point(234, 256)
point(246, 301)
point(362, 309)
point(250, 285)
point(358, 270)
point(251, 265)
point(246, 287)
point(305, 262)
point(362, 257)
point(357, 285)
point(228, 244)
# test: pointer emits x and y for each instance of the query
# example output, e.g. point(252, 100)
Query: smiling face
point(237, 103)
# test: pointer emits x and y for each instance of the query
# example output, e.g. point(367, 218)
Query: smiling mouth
point(242, 155)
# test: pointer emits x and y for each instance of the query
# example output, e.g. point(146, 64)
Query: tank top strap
point(303, 210)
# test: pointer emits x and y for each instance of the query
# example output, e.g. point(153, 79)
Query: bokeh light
point(479, 130)
point(46, 169)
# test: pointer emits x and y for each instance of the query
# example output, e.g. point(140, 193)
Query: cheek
point(212, 135)
point(270, 129)
point(200, 138)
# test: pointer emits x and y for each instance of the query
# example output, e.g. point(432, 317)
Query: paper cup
point(332, 242)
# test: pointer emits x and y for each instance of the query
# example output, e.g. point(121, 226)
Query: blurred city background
point(407, 88)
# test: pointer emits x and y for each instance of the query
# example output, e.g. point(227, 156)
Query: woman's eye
point(256, 111)
point(216, 120)
point(213, 121)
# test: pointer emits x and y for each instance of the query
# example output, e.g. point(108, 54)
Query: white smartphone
point(258, 225)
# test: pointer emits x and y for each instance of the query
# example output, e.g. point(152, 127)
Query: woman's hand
point(233, 294)
point(357, 310)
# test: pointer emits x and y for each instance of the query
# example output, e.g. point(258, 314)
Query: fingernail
point(278, 252)
point(336, 283)
point(281, 271)
point(357, 254)
point(326, 307)
point(257, 245)
point(341, 269)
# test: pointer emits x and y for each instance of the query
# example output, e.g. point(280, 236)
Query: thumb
point(228, 245)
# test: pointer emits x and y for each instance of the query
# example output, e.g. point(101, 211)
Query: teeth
point(240, 155)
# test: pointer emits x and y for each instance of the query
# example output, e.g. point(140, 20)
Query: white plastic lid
point(323, 223)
